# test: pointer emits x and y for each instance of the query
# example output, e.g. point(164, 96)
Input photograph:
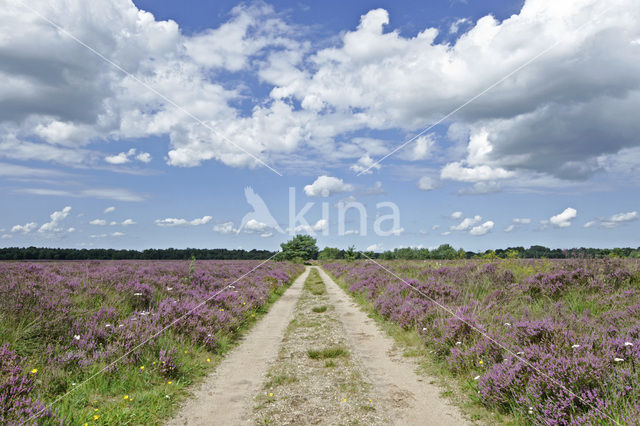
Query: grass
point(151, 398)
point(280, 379)
point(319, 309)
point(462, 393)
point(314, 283)
point(328, 353)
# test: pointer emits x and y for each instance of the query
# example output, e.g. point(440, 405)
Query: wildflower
point(142, 367)
point(107, 325)
point(458, 343)
point(169, 383)
point(96, 417)
point(370, 400)
point(575, 346)
point(480, 362)
point(270, 394)
point(530, 410)
point(34, 371)
point(169, 288)
point(208, 360)
point(344, 399)
point(520, 353)
point(167, 396)
point(120, 325)
point(618, 359)
point(126, 397)
point(86, 424)
point(95, 410)
point(628, 344)
point(424, 328)
point(76, 337)
point(476, 378)
point(154, 363)
point(73, 383)
point(185, 352)
point(137, 294)
point(507, 324)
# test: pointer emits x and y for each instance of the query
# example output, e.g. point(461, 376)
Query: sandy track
point(408, 398)
point(226, 396)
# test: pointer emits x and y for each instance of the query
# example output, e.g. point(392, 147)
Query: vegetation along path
point(330, 365)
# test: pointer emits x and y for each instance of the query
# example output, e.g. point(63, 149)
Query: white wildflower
point(476, 378)
point(575, 346)
point(618, 359)
point(519, 353)
point(137, 294)
point(507, 324)
point(530, 410)
point(76, 337)
point(169, 288)
point(167, 396)
point(107, 325)
point(458, 343)
point(424, 329)
point(628, 344)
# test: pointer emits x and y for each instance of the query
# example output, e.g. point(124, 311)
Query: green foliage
point(300, 246)
point(328, 353)
point(329, 253)
point(351, 254)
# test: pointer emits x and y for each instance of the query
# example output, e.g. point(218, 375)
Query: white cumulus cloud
point(563, 220)
point(325, 186)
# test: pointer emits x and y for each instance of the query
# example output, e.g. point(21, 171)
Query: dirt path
point(316, 379)
point(355, 376)
point(408, 398)
point(226, 397)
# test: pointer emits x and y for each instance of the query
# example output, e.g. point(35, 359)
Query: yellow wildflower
point(169, 383)
point(34, 371)
point(270, 393)
point(96, 417)
point(142, 367)
point(126, 397)
point(208, 360)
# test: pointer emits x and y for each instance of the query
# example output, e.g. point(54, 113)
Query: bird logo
point(260, 217)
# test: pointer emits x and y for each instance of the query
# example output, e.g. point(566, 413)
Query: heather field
point(63, 322)
point(568, 331)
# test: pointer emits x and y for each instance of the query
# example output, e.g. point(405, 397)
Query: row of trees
point(37, 253)
point(303, 247)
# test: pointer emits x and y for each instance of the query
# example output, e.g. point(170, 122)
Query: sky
point(153, 124)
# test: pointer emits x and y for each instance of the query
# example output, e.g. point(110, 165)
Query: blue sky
point(321, 92)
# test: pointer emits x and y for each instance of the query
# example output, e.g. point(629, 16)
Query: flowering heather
point(576, 323)
point(60, 322)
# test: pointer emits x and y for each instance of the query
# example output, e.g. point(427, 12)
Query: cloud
point(509, 228)
point(5, 236)
point(455, 26)
point(109, 210)
point(365, 165)
point(253, 225)
point(456, 171)
point(426, 183)
point(170, 221)
point(550, 118)
point(320, 226)
point(224, 228)
point(375, 247)
point(99, 222)
point(26, 228)
point(128, 222)
point(615, 220)
point(126, 157)
point(325, 186)
point(14, 170)
point(456, 215)
point(482, 229)
point(419, 149)
point(56, 218)
point(563, 220)
point(118, 194)
point(466, 223)
point(522, 220)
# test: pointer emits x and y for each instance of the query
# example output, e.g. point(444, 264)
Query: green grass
point(314, 283)
point(151, 399)
point(280, 379)
point(319, 309)
point(328, 353)
point(462, 393)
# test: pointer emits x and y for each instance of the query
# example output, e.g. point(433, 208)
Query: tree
point(329, 253)
point(351, 254)
point(300, 247)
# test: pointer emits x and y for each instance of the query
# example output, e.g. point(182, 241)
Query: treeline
point(445, 251)
point(38, 253)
